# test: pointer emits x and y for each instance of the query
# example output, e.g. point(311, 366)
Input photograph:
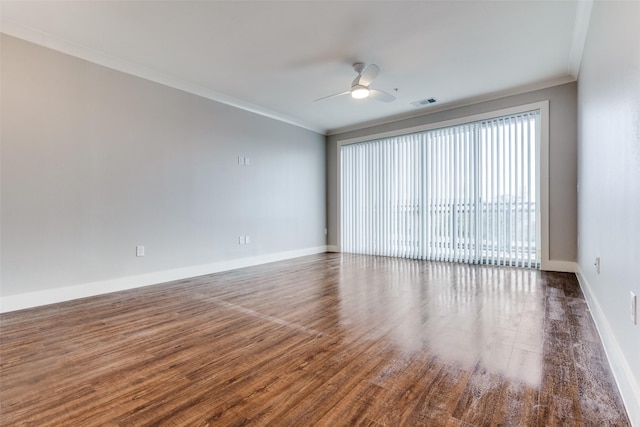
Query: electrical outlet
point(247, 161)
point(139, 250)
point(241, 240)
point(597, 264)
point(634, 308)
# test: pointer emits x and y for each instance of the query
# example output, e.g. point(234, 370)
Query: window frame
point(542, 188)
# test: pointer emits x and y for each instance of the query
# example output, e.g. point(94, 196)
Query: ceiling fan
point(360, 87)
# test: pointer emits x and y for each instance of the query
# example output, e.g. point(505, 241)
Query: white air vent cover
point(423, 102)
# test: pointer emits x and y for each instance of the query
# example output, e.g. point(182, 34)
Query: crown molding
point(428, 110)
point(580, 30)
point(100, 58)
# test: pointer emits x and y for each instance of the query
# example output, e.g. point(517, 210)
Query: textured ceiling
point(277, 57)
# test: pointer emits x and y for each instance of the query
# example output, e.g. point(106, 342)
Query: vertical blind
point(464, 193)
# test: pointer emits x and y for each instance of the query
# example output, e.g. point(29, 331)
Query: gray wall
point(609, 178)
point(562, 160)
point(95, 162)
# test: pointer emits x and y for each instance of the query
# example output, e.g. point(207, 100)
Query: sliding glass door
point(465, 193)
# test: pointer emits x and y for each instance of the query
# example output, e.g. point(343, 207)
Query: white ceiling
point(276, 57)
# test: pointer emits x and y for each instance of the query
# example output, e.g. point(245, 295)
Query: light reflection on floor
point(463, 314)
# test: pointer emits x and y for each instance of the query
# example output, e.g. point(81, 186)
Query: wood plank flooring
point(324, 340)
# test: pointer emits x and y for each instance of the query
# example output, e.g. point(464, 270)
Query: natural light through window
point(465, 193)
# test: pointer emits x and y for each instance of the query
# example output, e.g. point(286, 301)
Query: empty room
point(319, 213)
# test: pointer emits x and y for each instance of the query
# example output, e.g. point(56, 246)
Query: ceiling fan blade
point(369, 74)
point(331, 96)
point(381, 96)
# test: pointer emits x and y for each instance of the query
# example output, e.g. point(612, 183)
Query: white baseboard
point(561, 266)
point(628, 386)
point(67, 293)
point(332, 248)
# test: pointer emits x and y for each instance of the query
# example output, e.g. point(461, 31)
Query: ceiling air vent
point(423, 102)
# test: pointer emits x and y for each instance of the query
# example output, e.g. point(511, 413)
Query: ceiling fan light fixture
point(360, 85)
point(359, 92)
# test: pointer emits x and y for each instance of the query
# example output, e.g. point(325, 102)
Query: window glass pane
point(464, 193)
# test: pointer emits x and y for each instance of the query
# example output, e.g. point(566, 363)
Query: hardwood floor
point(326, 340)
